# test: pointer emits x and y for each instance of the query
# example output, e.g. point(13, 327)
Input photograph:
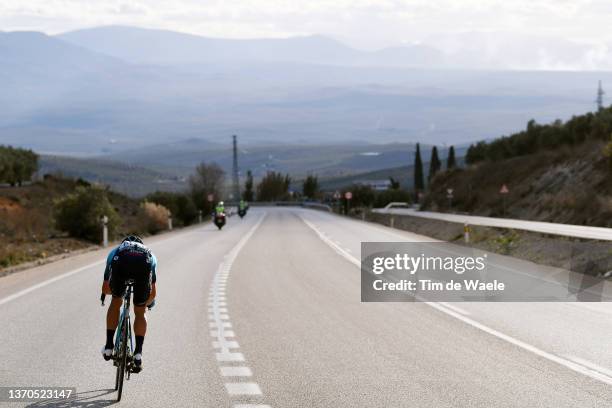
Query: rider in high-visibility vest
point(220, 208)
point(243, 205)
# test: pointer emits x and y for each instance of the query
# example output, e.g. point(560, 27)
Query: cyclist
point(130, 260)
point(220, 208)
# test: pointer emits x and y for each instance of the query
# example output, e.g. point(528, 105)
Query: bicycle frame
point(125, 316)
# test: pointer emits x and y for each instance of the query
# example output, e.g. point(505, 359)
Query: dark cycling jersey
point(131, 260)
point(111, 255)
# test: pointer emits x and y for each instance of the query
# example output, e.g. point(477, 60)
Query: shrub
point(180, 205)
point(390, 196)
point(80, 213)
point(156, 216)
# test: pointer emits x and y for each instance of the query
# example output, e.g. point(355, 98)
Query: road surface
point(267, 312)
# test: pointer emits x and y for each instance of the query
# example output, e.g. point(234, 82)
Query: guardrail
point(305, 204)
point(566, 230)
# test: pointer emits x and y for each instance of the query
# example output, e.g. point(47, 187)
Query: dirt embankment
point(569, 185)
point(585, 256)
point(27, 229)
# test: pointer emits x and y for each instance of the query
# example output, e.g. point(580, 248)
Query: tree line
point(435, 165)
point(17, 165)
point(537, 137)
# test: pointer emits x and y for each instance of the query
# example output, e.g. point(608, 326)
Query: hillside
point(564, 177)
point(403, 174)
point(325, 160)
point(134, 181)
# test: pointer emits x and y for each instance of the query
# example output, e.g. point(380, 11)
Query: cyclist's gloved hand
point(150, 306)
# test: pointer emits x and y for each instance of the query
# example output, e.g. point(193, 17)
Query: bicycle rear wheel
point(122, 358)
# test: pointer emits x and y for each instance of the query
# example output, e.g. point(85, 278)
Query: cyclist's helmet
point(133, 238)
point(221, 203)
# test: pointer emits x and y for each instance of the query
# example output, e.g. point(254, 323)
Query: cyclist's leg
point(140, 322)
point(117, 285)
point(142, 293)
point(112, 315)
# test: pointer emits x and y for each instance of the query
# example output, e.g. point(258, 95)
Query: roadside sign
point(504, 189)
point(337, 195)
point(449, 192)
point(348, 195)
point(210, 198)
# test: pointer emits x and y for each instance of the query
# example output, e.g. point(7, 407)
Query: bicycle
point(123, 356)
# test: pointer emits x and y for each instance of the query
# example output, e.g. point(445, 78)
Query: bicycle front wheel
point(122, 359)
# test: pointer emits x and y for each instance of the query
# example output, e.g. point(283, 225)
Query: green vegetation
point(79, 213)
point(17, 165)
point(248, 194)
point(434, 164)
point(451, 161)
point(419, 182)
point(310, 187)
point(537, 138)
point(274, 187)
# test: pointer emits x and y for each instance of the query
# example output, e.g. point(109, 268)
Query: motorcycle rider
point(242, 206)
point(220, 208)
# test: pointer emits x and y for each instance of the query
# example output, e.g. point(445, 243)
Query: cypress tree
point(434, 163)
point(419, 183)
point(451, 162)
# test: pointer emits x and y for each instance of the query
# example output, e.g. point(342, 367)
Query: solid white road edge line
point(48, 282)
point(572, 365)
point(67, 274)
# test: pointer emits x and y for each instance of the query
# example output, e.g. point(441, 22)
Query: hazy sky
point(361, 23)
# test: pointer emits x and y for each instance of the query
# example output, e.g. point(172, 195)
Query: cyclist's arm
point(153, 280)
point(107, 271)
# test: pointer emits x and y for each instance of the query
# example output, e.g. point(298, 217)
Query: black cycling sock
point(110, 334)
point(139, 341)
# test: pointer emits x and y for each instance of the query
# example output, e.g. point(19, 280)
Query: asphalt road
point(267, 312)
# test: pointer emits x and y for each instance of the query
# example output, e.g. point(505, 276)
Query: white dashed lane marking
point(243, 388)
point(224, 342)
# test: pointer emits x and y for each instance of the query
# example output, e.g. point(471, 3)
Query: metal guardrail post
point(466, 232)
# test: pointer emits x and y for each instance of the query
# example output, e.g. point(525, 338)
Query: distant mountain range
point(160, 47)
point(110, 90)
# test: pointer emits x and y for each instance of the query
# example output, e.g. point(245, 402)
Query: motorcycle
point(242, 212)
point(219, 220)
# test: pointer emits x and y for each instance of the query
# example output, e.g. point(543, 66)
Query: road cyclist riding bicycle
point(130, 261)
